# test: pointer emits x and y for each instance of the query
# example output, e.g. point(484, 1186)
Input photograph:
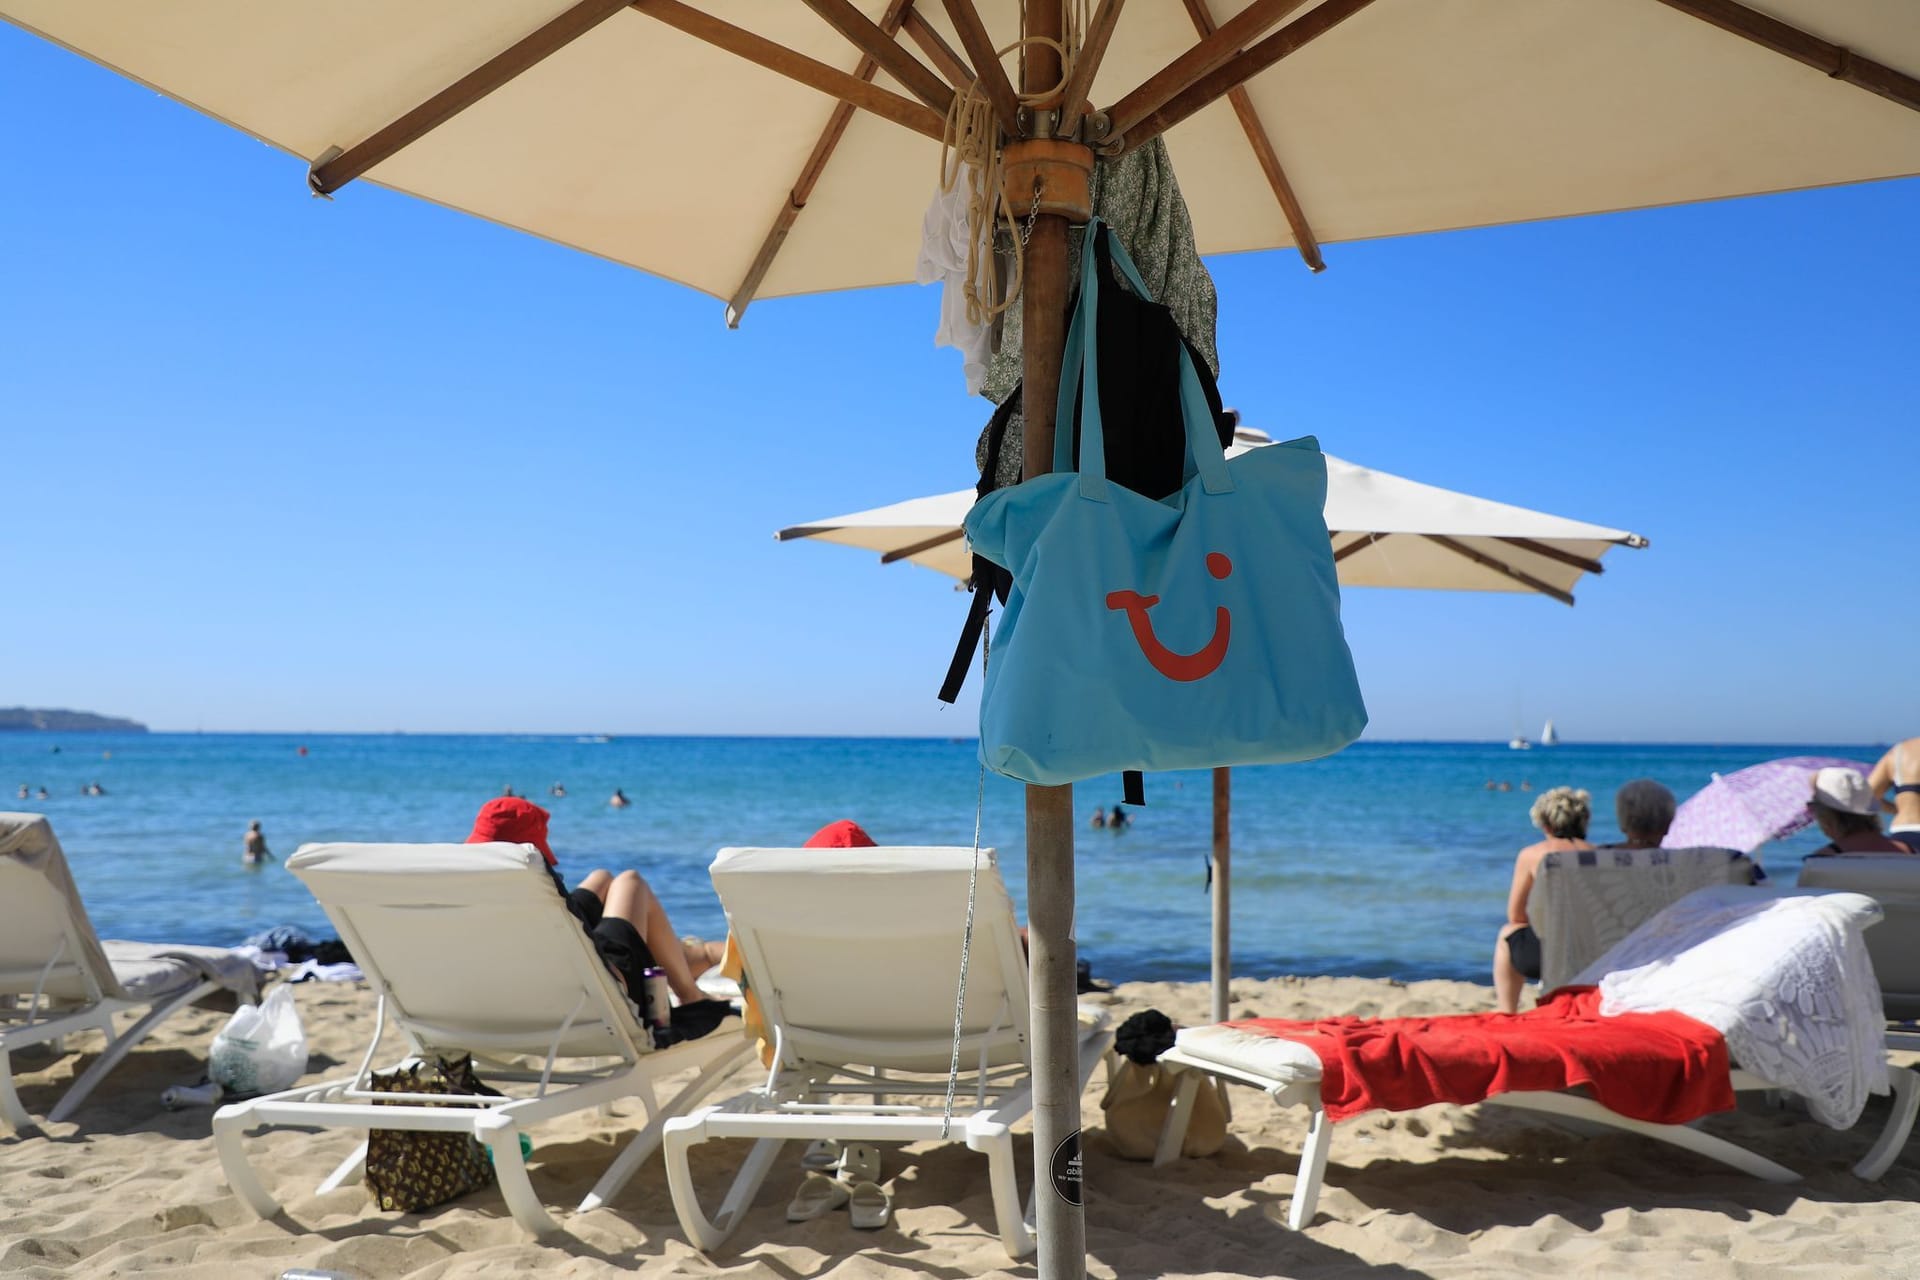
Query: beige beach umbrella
point(639, 131)
point(699, 141)
point(1388, 531)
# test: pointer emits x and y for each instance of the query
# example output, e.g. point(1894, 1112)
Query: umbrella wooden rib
point(1500, 567)
point(1249, 116)
point(897, 12)
point(796, 66)
point(875, 41)
point(1829, 59)
point(331, 174)
point(938, 51)
point(1223, 78)
point(1093, 51)
point(1187, 70)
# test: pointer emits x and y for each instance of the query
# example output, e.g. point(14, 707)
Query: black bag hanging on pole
point(1146, 448)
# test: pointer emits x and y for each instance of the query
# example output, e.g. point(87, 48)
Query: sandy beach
point(132, 1189)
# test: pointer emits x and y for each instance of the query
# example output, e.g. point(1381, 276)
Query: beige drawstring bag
point(1136, 1105)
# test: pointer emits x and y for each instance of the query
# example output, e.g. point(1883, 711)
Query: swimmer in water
point(256, 852)
point(619, 800)
point(558, 790)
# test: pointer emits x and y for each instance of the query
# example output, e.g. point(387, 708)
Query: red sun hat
point(843, 834)
point(512, 820)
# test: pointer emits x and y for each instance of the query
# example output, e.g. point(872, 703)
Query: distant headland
point(18, 719)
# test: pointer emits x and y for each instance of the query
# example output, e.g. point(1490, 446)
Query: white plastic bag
point(262, 1049)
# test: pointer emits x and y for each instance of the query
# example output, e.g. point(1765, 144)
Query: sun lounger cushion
point(151, 971)
point(1285, 1062)
point(42, 916)
point(1784, 976)
point(1664, 1068)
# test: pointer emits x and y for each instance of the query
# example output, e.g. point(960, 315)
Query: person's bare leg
point(1507, 980)
point(597, 883)
point(702, 955)
point(631, 899)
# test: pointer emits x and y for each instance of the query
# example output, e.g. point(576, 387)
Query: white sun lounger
point(1290, 1072)
point(472, 951)
point(57, 978)
point(1893, 881)
point(854, 957)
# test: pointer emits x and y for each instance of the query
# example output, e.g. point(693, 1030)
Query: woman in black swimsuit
point(1895, 783)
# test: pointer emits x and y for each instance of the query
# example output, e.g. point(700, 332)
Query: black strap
point(989, 579)
point(1133, 788)
point(969, 641)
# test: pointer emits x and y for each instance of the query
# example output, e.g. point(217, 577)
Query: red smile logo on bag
point(1197, 665)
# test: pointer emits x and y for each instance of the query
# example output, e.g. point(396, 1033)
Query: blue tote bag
point(1197, 631)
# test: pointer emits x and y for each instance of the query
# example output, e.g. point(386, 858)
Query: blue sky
point(275, 463)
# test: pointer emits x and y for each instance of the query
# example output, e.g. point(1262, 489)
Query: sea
point(1390, 859)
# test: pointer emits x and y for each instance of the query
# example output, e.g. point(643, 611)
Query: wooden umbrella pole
point(1222, 896)
point(1056, 1030)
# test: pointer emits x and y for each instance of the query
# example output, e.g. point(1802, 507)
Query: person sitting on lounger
point(1562, 814)
point(1844, 809)
point(620, 913)
point(1644, 811)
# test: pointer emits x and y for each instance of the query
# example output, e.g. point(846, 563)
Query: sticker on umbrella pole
point(1066, 1169)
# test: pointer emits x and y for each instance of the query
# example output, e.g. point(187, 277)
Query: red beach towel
point(1664, 1068)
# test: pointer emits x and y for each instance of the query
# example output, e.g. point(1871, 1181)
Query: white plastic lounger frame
point(55, 977)
point(1290, 1073)
point(471, 950)
point(1893, 881)
point(1313, 1154)
point(854, 956)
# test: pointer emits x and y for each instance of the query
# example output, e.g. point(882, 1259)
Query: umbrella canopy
point(1388, 531)
point(638, 131)
point(1745, 810)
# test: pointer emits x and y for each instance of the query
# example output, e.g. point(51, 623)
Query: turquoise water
point(1390, 859)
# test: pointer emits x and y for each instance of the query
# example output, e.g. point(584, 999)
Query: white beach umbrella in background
point(1388, 531)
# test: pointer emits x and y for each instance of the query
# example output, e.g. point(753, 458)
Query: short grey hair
point(1643, 808)
point(1563, 812)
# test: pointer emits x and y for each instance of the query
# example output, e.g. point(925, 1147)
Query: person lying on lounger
point(620, 913)
point(1562, 814)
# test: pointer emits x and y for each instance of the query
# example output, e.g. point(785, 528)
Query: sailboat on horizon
point(1548, 738)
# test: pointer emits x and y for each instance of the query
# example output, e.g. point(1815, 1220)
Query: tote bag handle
point(1083, 345)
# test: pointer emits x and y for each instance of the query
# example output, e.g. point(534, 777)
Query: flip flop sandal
point(859, 1162)
point(869, 1207)
point(822, 1156)
point(818, 1196)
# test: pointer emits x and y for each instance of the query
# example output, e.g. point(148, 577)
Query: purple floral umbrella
point(1746, 809)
